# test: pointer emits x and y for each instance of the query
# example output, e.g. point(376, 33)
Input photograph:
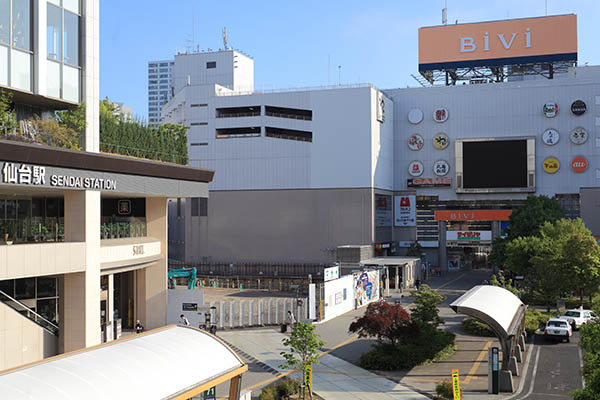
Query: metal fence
point(257, 312)
point(254, 270)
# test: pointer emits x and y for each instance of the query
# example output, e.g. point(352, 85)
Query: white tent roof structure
point(165, 363)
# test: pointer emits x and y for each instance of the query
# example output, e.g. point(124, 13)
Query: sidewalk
point(333, 378)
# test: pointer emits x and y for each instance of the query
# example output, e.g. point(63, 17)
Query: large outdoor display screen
point(495, 164)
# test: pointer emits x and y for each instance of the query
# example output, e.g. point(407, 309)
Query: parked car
point(578, 317)
point(558, 328)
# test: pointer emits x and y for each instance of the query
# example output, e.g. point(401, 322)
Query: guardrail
point(29, 313)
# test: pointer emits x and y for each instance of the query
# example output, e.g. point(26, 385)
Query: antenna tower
point(224, 32)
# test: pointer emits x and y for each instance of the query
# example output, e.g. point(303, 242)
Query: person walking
point(290, 320)
point(183, 320)
point(417, 283)
point(139, 328)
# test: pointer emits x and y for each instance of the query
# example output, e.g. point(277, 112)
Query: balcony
point(122, 227)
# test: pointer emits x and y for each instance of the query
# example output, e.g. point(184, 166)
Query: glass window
point(53, 83)
point(21, 24)
point(3, 65)
point(23, 209)
point(2, 209)
point(47, 309)
point(211, 64)
point(71, 5)
point(46, 287)
point(71, 38)
point(25, 288)
point(8, 287)
point(20, 68)
point(57, 2)
point(71, 83)
point(53, 30)
point(4, 21)
point(11, 209)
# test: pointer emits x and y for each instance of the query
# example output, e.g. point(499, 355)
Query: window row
point(272, 132)
point(271, 111)
point(62, 35)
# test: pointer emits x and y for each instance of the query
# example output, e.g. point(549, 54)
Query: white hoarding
point(405, 211)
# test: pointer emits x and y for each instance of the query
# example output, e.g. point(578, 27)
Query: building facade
point(301, 172)
point(160, 75)
point(83, 249)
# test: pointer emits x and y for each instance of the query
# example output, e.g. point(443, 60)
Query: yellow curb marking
point(480, 357)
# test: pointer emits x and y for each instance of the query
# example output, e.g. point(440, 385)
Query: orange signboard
point(472, 215)
point(515, 41)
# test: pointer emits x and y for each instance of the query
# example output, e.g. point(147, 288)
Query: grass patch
point(474, 327)
point(427, 347)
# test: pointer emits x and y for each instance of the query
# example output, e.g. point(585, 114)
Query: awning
point(166, 363)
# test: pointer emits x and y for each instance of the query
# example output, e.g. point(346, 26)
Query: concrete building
point(160, 74)
point(300, 172)
point(83, 249)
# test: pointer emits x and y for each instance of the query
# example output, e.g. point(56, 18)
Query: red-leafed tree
point(389, 323)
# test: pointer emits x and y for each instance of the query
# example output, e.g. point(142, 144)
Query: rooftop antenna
point(191, 42)
point(546, 4)
point(224, 33)
point(339, 75)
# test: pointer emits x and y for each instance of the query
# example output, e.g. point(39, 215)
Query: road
point(553, 370)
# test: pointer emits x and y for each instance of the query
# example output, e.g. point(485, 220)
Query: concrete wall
point(175, 300)
point(38, 259)
point(22, 340)
point(335, 302)
point(287, 225)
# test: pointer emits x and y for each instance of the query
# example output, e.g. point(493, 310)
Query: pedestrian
point(183, 320)
point(139, 328)
point(417, 283)
point(291, 321)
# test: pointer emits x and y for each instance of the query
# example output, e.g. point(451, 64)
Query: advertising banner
point(405, 211)
point(461, 238)
point(383, 210)
point(507, 42)
point(472, 215)
point(366, 287)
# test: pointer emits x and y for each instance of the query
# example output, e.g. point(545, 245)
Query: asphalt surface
point(553, 371)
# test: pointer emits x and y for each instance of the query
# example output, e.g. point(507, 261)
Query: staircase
point(28, 337)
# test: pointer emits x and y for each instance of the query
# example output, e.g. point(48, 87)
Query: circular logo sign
point(579, 164)
point(579, 136)
point(578, 107)
point(440, 115)
point(550, 109)
point(415, 168)
point(441, 141)
point(415, 116)
point(415, 142)
point(550, 137)
point(551, 165)
point(441, 168)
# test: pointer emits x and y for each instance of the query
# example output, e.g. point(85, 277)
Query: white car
point(558, 328)
point(578, 317)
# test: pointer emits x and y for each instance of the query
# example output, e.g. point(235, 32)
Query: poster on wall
point(366, 287)
point(405, 211)
point(454, 261)
point(383, 210)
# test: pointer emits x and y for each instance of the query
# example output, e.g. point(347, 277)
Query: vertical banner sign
point(308, 378)
point(405, 211)
point(455, 384)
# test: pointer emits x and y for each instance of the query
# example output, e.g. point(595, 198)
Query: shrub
point(426, 307)
point(389, 323)
point(444, 390)
point(535, 319)
point(283, 389)
point(268, 393)
point(430, 346)
point(474, 327)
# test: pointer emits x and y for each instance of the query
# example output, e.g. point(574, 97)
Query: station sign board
point(506, 42)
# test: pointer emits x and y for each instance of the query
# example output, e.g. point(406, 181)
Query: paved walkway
point(333, 378)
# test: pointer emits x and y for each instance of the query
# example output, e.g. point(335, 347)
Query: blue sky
point(291, 41)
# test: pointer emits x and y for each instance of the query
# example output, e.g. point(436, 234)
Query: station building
point(83, 235)
point(301, 172)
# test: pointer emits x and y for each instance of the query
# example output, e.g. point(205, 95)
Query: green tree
point(426, 311)
point(389, 323)
point(590, 343)
point(502, 282)
point(303, 347)
point(8, 120)
point(526, 221)
point(415, 250)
